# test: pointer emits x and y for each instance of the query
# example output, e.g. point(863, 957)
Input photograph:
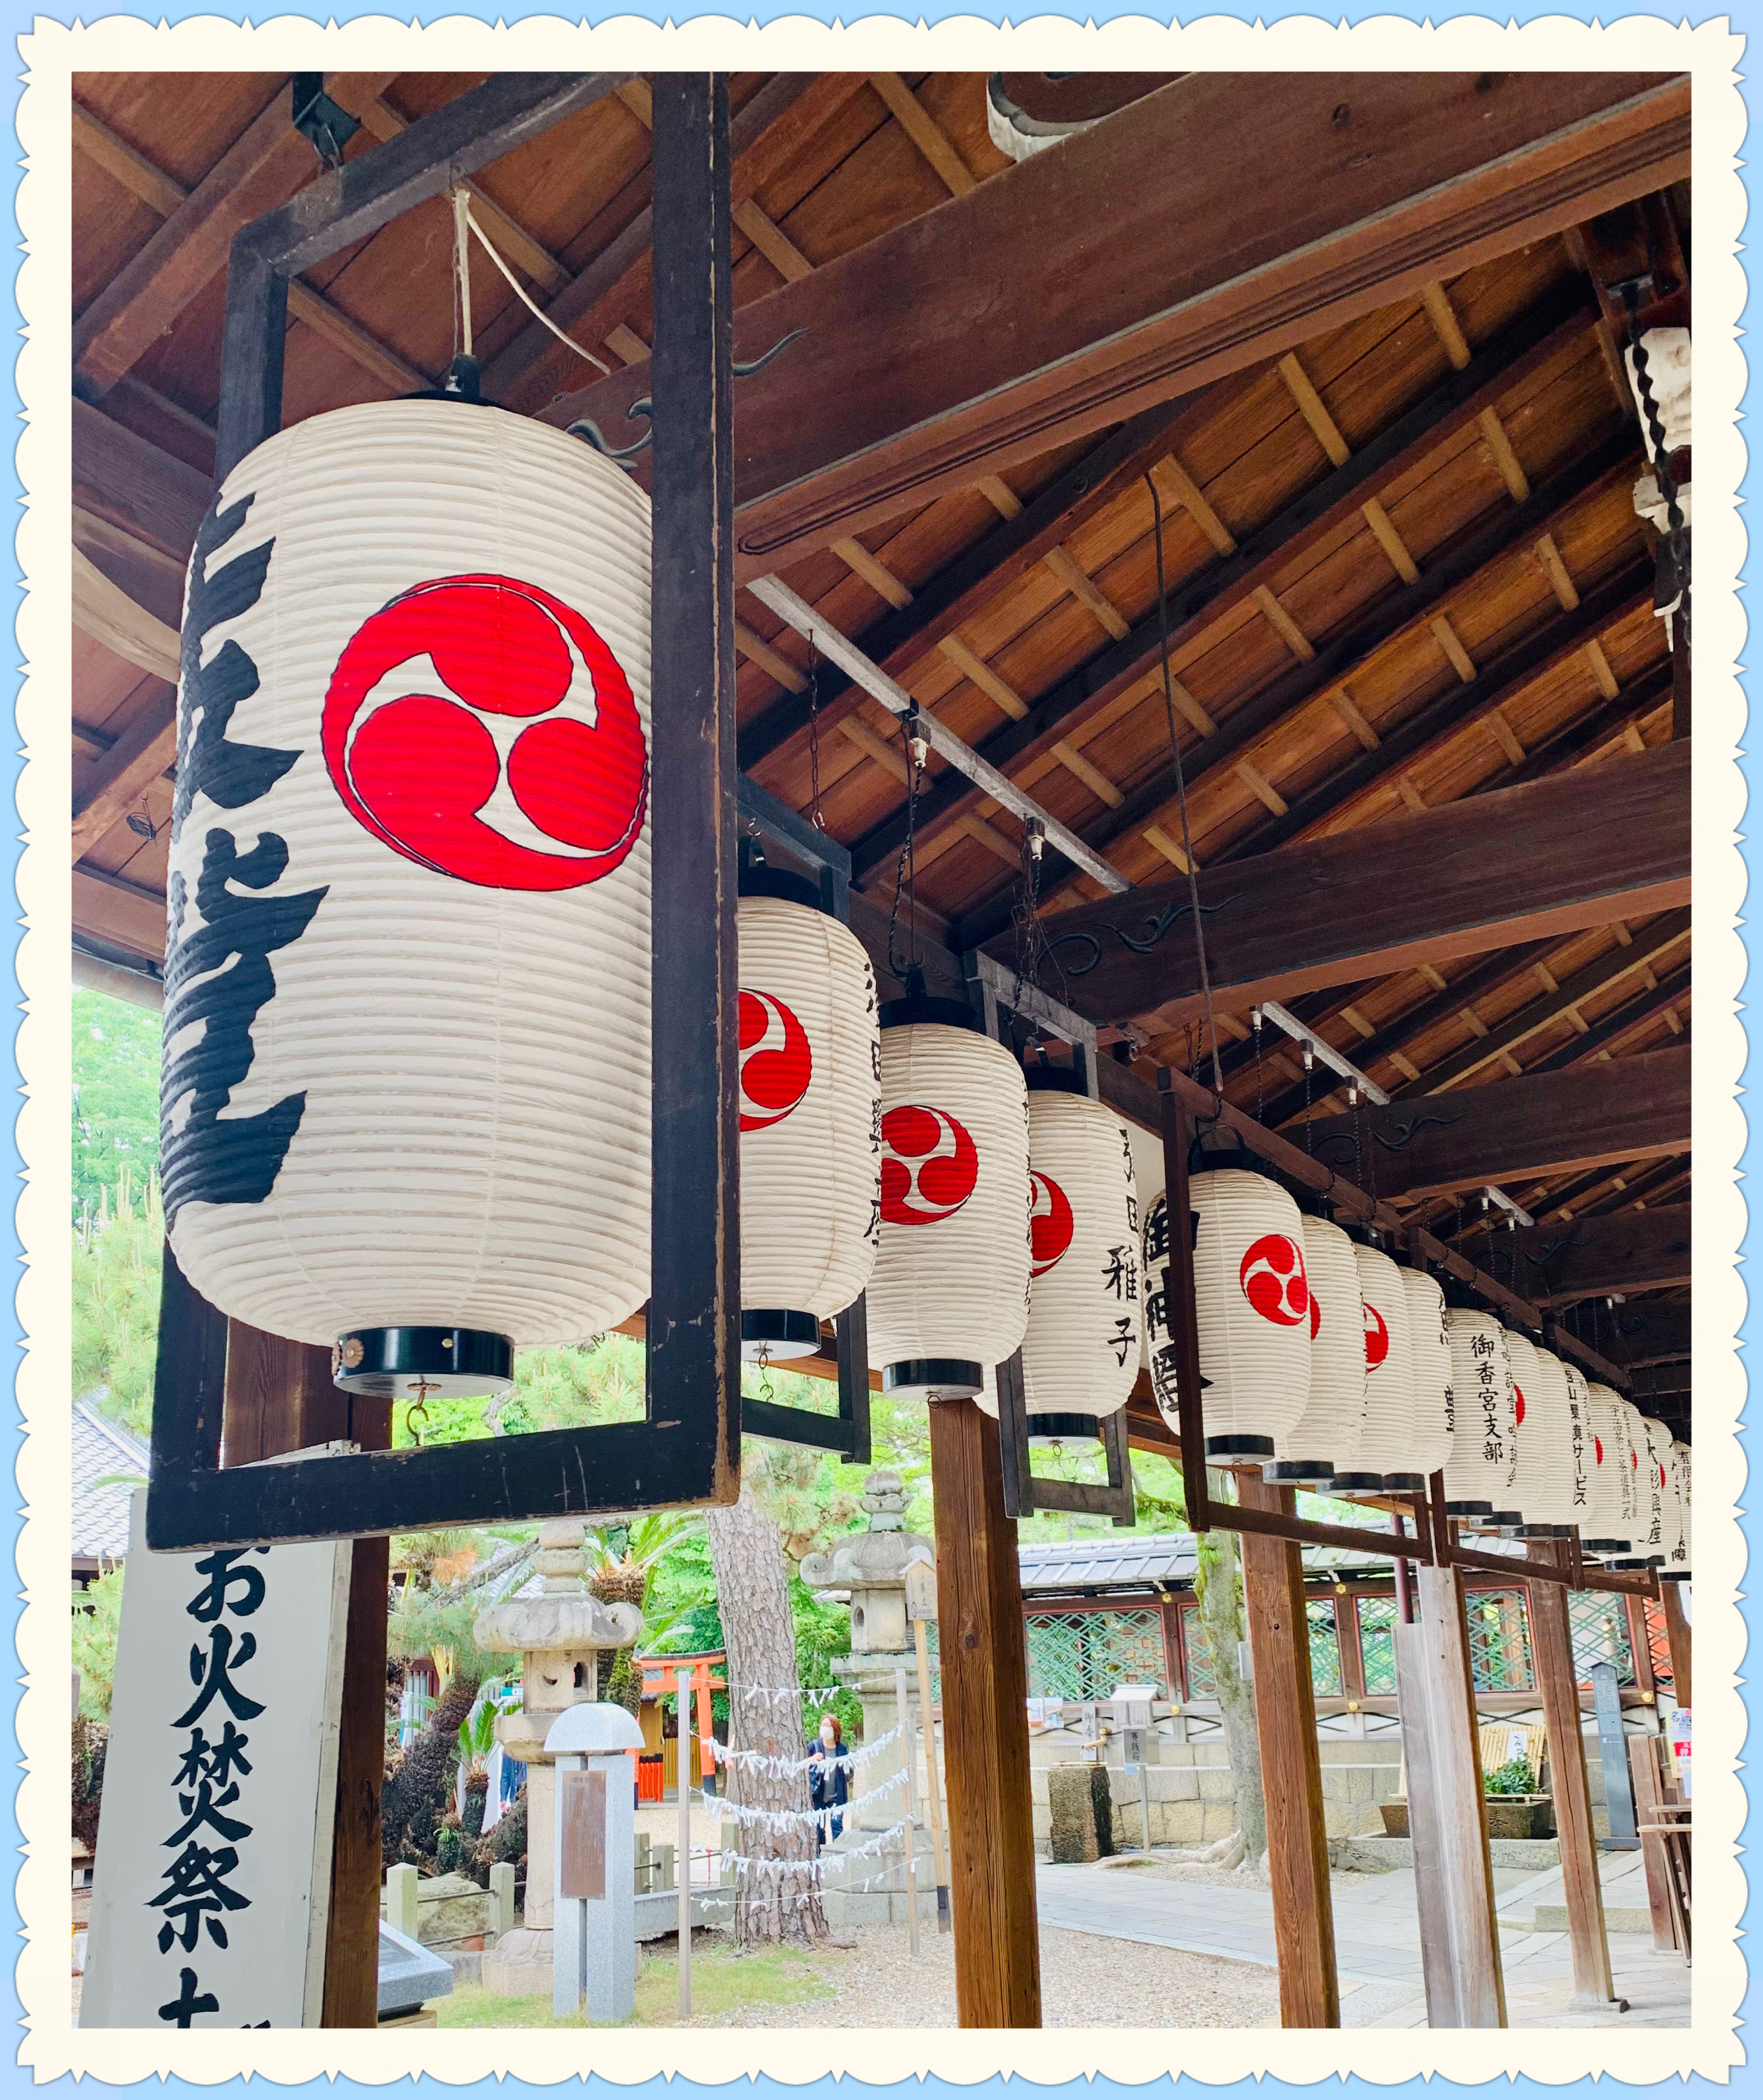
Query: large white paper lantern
point(405, 1100)
point(1325, 1439)
point(1645, 1504)
point(1546, 1460)
point(1476, 1479)
point(1253, 1300)
point(1678, 1558)
point(1434, 1394)
point(1613, 1501)
point(1080, 1351)
point(811, 1115)
point(1582, 1447)
point(1660, 1488)
point(1387, 1441)
point(949, 1294)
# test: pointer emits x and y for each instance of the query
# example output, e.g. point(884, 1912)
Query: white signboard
point(213, 1875)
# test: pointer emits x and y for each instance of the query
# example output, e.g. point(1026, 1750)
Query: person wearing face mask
point(829, 1778)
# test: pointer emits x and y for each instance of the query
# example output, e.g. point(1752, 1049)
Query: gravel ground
point(1085, 1983)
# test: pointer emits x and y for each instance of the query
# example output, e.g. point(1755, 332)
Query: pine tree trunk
point(1218, 1592)
point(780, 1901)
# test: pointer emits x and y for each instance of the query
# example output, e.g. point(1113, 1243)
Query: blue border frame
point(1741, 14)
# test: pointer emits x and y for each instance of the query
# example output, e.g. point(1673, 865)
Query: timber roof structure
point(1370, 391)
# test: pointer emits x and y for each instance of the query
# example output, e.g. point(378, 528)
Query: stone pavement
point(1377, 1940)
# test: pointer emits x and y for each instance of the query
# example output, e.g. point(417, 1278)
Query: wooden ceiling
point(1403, 565)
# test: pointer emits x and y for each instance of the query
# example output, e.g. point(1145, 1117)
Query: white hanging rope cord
point(794, 1818)
point(462, 265)
point(776, 1767)
point(468, 217)
point(783, 1693)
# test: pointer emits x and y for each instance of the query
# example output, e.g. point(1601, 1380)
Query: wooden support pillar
point(279, 1398)
point(983, 1657)
point(1447, 1816)
point(1677, 1635)
point(1557, 1679)
point(1291, 1765)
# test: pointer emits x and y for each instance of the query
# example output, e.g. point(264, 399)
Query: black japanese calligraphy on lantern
point(188, 2002)
point(223, 1573)
point(212, 1674)
point(218, 974)
point(197, 1893)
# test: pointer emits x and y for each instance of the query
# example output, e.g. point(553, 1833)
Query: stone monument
point(871, 1566)
point(561, 1636)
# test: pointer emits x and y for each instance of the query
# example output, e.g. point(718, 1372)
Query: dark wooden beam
point(1229, 583)
point(1634, 1012)
point(985, 1690)
point(1637, 1334)
point(1598, 976)
point(1587, 1257)
point(1517, 1128)
point(1518, 864)
point(1678, 1637)
point(135, 486)
point(905, 387)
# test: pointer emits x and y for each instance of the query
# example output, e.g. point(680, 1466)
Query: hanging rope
point(462, 265)
point(814, 816)
point(468, 217)
point(906, 874)
point(1181, 792)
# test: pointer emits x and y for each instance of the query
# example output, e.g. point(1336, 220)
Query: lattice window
point(1325, 1647)
point(1201, 1683)
point(1377, 1644)
point(1600, 1633)
point(1499, 1640)
point(1084, 1654)
point(1659, 1644)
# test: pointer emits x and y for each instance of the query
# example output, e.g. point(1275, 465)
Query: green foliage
point(116, 1255)
point(116, 1095)
point(97, 1615)
point(1513, 1777)
point(624, 1683)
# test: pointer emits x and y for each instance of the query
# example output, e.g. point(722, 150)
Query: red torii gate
point(661, 1680)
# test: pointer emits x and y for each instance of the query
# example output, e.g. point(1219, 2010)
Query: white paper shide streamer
point(810, 1118)
point(407, 1017)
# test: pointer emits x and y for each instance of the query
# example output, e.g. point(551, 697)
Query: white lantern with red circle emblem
point(406, 1092)
point(1325, 1439)
point(1252, 1302)
point(1386, 1442)
point(1435, 1409)
point(1547, 1463)
point(1480, 1471)
point(948, 1295)
point(811, 1115)
point(1612, 1525)
point(1080, 1351)
point(1524, 1489)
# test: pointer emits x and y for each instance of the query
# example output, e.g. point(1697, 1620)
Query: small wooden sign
point(582, 1807)
point(922, 1591)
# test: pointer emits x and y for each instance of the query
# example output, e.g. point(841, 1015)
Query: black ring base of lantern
point(1603, 1545)
point(1673, 1574)
point(1238, 1447)
point(1355, 1484)
point(1545, 1531)
point(935, 1377)
point(777, 1335)
point(422, 1363)
point(1055, 1428)
point(1297, 1470)
point(1404, 1484)
point(1468, 1509)
point(1631, 1564)
point(1501, 1520)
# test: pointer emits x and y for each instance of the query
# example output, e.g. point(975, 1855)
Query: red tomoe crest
point(1597, 1445)
point(776, 1061)
point(1376, 1336)
point(1315, 1316)
point(1518, 1402)
point(929, 1165)
point(1273, 1279)
point(1050, 1223)
point(418, 769)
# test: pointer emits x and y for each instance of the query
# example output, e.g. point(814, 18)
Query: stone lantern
point(871, 1565)
point(561, 1636)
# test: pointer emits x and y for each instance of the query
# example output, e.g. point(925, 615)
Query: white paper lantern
point(1583, 1450)
point(1252, 1301)
point(406, 1083)
point(1387, 1443)
point(1658, 1489)
point(1546, 1458)
point(1678, 1557)
point(811, 1115)
point(1325, 1439)
point(1613, 1500)
point(1080, 1351)
point(1476, 1478)
point(1434, 1394)
point(949, 1292)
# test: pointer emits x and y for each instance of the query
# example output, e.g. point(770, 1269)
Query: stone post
point(560, 1634)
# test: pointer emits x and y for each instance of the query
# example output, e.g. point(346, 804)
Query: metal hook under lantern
point(1476, 1478)
point(948, 1295)
point(1324, 1441)
point(1385, 1457)
point(1081, 1346)
point(811, 1114)
point(412, 795)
